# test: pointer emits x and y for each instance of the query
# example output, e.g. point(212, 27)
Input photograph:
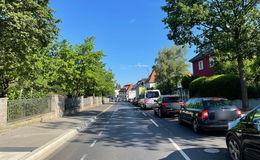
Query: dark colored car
point(167, 105)
point(243, 137)
point(208, 113)
point(135, 101)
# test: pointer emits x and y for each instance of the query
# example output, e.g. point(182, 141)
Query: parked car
point(243, 137)
point(135, 101)
point(208, 113)
point(147, 99)
point(167, 105)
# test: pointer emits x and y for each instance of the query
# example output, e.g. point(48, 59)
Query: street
point(124, 132)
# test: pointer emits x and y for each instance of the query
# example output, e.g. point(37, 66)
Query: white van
point(147, 101)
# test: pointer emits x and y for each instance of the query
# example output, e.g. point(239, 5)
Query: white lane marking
point(144, 114)
point(179, 149)
point(154, 123)
point(100, 133)
point(93, 144)
point(104, 110)
point(83, 157)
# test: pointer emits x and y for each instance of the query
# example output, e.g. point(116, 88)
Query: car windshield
point(171, 99)
point(152, 95)
point(216, 103)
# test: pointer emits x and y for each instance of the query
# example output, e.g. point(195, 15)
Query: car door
point(191, 111)
point(251, 135)
point(185, 110)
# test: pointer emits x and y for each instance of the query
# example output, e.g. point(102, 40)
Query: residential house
point(202, 64)
point(125, 92)
point(139, 87)
point(150, 82)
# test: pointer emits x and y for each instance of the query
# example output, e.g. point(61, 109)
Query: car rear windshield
point(152, 95)
point(171, 99)
point(217, 104)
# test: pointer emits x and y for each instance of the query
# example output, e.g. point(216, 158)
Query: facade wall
point(150, 85)
point(207, 70)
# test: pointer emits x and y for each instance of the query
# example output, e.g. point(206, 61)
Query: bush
point(226, 86)
point(197, 86)
point(185, 82)
point(253, 92)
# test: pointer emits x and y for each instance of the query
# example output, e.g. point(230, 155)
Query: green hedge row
point(226, 86)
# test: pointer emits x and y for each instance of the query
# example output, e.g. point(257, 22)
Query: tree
point(231, 27)
point(79, 71)
point(26, 29)
point(170, 66)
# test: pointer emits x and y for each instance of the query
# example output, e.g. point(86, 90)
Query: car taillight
point(145, 100)
point(205, 114)
point(164, 104)
point(182, 103)
point(239, 114)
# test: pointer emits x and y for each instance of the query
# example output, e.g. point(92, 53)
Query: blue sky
point(129, 32)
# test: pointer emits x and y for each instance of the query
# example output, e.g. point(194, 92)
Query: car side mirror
point(257, 125)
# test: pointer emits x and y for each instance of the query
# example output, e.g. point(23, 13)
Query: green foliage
point(252, 69)
point(226, 86)
point(26, 30)
point(31, 65)
point(197, 86)
point(171, 67)
point(186, 80)
point(231, 28)
point(79, 70)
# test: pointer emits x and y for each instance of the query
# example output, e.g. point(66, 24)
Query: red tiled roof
point(128, 87)
point(151, 78)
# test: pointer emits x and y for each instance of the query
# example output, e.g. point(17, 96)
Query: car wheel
point(160, 114)
point(195, 126)
point(154, 112)
point(180, 119)
point(234, 148)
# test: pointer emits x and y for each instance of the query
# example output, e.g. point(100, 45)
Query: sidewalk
point(22, 143)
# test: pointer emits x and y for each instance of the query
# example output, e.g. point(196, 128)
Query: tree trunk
point(242, 77)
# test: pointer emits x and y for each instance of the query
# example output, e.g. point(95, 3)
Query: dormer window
point(201, 67)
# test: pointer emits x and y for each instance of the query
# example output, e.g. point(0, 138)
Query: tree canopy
point(171, 67)
point(231, 28)
point(33, 64)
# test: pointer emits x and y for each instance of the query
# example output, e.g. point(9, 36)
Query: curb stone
point(44, 151)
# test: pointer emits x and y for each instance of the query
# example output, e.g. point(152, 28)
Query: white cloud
point(139, 65)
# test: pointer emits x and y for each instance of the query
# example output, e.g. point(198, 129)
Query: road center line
point(179, 149)
point(100, 133)
point(154, 123)
point(144, 114)
point(83, 157)
point(93, 144)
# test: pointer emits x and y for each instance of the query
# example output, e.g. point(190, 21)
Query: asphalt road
point(125, 132)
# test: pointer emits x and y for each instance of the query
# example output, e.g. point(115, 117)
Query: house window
point(201, 65)
point(211, 61)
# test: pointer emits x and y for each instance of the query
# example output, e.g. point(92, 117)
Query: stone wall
point(3, 112)
point(57, 105)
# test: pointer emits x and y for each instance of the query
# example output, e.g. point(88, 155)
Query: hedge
point(226, 86)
